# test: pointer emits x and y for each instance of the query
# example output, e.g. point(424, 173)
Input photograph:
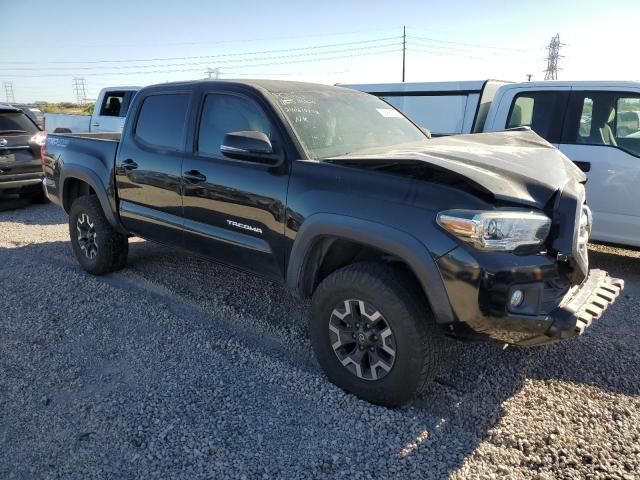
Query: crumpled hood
point(515, 166)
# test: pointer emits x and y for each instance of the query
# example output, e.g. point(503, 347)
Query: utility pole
point(553, 55)
point(404, 49)
point(8, 92)
point(80, 89)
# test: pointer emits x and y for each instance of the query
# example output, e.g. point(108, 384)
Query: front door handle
point(129, 164)
point(584, 166)
point(194, 176)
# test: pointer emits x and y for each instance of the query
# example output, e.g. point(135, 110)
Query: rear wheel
point(98, 247)
point(373, 334)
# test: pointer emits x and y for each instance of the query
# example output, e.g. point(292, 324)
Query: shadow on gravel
point(14, 209)
point(13, 203)
point(449, 420)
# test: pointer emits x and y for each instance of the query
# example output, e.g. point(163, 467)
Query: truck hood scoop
point(513, 166)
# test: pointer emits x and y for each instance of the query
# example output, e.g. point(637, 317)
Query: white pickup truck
point(596, 124)
point(108, 114)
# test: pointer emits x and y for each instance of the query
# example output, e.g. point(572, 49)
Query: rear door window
point(162, 119)
point(543, 112)
point(605, 118)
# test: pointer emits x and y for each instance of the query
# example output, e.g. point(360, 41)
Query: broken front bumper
point(584, 305)
point(580, 307)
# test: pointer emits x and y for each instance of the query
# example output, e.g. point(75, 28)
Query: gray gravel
point(177, 368)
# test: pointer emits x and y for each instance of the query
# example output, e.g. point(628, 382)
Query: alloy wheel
point(362, 339)
point(87, 236)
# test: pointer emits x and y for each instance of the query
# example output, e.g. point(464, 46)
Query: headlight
point(503, 230)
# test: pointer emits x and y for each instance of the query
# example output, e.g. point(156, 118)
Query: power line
point(226, 61)
point(475, 45)
point(212, 42)
point(197, 57)
point(553, 49)
point(268, 64)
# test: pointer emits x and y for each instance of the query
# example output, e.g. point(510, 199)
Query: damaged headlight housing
point(503, 230)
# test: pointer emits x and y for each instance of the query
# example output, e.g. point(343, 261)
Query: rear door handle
point(129, 164)
point(194, 176)
point(584, 166)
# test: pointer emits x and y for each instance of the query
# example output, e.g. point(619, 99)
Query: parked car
point(20, 149)
point(588, 121)
point(397, 238)
point(108, 114)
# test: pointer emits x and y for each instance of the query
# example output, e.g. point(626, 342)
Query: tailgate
point(19, 156)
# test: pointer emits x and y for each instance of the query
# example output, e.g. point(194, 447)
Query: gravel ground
point(177, 368)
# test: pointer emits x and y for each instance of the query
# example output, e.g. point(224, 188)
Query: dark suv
point(20, 148)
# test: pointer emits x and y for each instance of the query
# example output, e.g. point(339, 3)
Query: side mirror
point(251, 146)
point(426, 131)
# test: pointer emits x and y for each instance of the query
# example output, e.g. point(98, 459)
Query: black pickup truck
point(399, 239)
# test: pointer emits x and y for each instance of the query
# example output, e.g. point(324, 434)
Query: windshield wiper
point(4, 132)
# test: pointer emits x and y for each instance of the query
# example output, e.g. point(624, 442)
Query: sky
point(44, 45)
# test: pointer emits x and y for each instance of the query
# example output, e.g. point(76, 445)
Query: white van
point(596, 124)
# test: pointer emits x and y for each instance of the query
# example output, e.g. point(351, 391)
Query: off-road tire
point(112, 247)
point(420, 348)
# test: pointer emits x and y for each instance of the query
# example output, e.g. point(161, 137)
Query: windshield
point(16, 122)
point(330, 123)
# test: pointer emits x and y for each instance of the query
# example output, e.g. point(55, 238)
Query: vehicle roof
point(5, 107)
point(454, 86)
point(272, 86)
point(130, 87)
point(580, 83)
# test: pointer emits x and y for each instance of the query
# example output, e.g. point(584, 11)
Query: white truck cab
point(108, 114)
point(596, 124)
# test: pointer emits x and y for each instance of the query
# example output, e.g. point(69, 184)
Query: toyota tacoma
point(400, 240)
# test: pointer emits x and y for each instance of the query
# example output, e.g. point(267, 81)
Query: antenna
point(8, 92)
point(80, 89)
point(553, 55)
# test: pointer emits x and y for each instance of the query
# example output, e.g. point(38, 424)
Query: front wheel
point(98, 247)
point(373, 334)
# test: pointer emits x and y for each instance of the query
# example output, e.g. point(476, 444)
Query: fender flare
point(383, 237)
point(77, 172)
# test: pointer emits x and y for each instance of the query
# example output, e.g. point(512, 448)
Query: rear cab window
point(162, 119)
point(115, 103)
point(604, 118)
point(542, 111)
point(441, 114)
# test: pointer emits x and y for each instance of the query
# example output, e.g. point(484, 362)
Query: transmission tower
point(8, 92)
point(553, 55)
point(80, 89)
point(212, 73)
